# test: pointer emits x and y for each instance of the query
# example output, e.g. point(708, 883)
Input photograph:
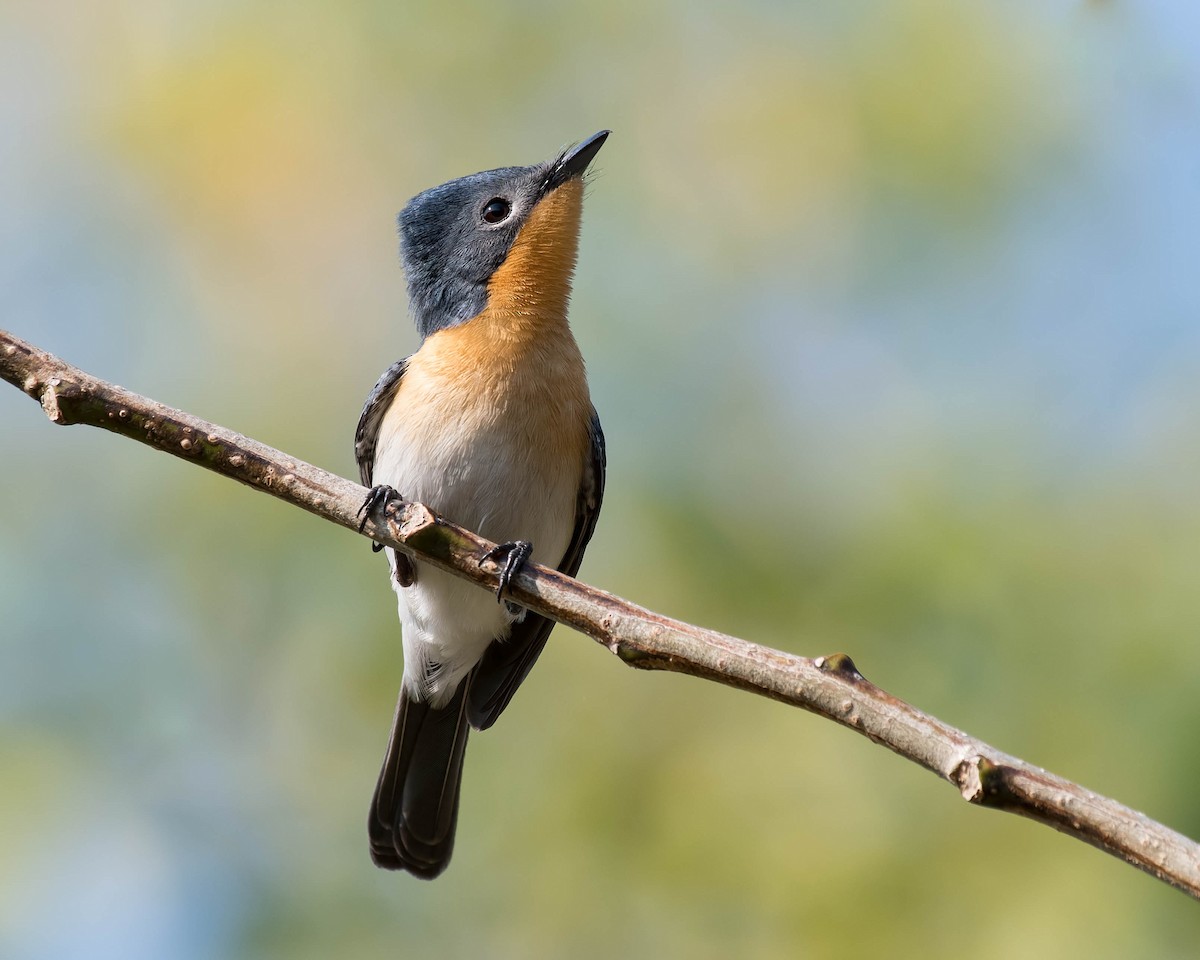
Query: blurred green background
point(891, 315)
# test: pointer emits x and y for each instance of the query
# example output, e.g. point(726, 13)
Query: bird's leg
point(515, 553)
point(378, 499)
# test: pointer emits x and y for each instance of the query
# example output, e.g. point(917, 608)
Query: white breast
point(488, 464)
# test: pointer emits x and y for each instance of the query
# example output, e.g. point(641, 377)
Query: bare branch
point(830, 686)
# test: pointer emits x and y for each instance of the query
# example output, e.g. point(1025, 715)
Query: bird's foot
point(378, 499)
point(515, 553)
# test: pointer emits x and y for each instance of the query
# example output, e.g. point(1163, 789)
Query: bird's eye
point(497, 210)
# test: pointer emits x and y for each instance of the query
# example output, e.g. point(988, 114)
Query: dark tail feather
point(415, 808)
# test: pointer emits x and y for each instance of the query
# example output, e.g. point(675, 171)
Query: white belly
point(492, 477)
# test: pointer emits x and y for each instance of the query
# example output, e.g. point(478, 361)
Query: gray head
point(454, 238)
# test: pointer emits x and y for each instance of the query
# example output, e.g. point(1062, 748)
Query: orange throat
point(531, 288)
point(518, 353)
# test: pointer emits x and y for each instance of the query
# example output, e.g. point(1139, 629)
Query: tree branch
point(830, 686)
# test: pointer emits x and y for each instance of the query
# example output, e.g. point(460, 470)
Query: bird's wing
point(372, 415)
point(506, 662)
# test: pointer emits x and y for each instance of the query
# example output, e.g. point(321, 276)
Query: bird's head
point(502, 240)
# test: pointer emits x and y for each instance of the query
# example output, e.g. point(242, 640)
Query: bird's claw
point(515, 553)
point(378, 498)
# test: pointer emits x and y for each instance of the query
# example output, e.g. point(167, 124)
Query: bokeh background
point(891, 314)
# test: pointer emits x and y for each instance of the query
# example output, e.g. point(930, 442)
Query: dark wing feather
point(506, 662)
point(373, 410)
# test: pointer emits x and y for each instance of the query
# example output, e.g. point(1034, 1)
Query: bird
point(491, 424)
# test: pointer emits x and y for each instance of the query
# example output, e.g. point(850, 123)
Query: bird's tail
point(415, 807)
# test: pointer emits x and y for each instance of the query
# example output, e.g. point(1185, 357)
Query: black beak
point(575, 161)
